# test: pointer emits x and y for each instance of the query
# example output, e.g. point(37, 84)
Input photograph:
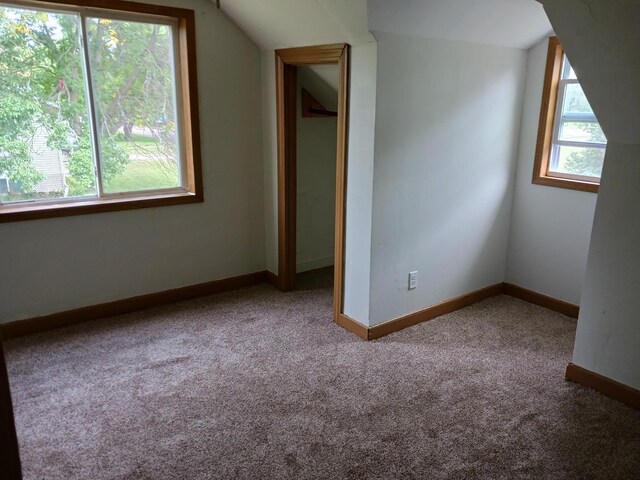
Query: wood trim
point(287, 61)
point(272, 279)
point(354, 327)
point(188, 94)
point(545, 301)
point(286, 96)
point(604, 385)
point(456, 303)
point(546, 122)
point(566, 183)
point(547, 109)
point(70, 317)
point(314, 55)
point(312, 108)
point(434, 311)
point(32, 212)
point(9, 452)
point(341, 182)
point(123, 5)
point(190, 102)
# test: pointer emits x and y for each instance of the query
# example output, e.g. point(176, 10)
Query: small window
point(571, 144)
point(97, 108)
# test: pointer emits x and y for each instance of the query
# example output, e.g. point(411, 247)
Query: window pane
point(45, 148)
point(567, 70)
point(581, 161)
point(575, 101)
point(134, 88)
point(582, 132)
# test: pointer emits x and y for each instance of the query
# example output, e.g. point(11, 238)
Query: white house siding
point(49, 162)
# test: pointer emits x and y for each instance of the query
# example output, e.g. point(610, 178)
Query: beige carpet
point(257, 384)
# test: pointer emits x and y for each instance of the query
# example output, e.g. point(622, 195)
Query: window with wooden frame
point(98, 108)
point(571, 145)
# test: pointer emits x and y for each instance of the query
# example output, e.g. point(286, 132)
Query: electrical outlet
point(413, 280)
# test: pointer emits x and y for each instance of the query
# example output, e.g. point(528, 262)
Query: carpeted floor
point(257, 384)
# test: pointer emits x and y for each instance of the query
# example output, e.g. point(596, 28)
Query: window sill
point(21, 212)
point(566, 183)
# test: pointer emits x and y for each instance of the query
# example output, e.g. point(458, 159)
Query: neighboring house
point(49, 162)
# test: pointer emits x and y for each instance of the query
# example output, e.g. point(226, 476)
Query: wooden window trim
point(188, 94)
point(544, 143)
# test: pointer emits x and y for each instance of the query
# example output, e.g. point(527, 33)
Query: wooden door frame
point(287, 61)
point(9, 454)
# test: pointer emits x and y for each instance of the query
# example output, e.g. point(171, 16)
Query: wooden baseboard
point(429, 313)
point(109, 309)
point(353, 326)
point(271, 278)
point(560, 306)
point(457, 303)
point(61, 319)
point(604, 385)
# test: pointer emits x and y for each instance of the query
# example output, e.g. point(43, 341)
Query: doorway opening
point(288, 62)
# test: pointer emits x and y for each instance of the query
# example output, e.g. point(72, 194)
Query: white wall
point(608, 336)
point(447, 123)
point(316, 146)
point(360, 155)
point(270, 158)
point(601, 40)
point(550, 227)
point(64, 263)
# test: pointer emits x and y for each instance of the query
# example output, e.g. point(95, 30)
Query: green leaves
point(43, 97)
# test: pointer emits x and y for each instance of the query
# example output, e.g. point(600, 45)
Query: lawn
point(140, 145)
point(144, 171)
point(144, 175)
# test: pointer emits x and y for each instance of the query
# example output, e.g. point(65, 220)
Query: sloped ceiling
point(508, 23)
point(328, 74)
point(601, 39)
point(276, 24)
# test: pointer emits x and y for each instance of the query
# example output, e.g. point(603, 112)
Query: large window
point(571, 144)
point(97, 108)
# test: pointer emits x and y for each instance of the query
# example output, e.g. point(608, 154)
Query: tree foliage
point(585, 161)
point(44, 86)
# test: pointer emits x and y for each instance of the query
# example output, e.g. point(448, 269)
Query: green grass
point(143, 175)
point(138, 138)
point(140, 145)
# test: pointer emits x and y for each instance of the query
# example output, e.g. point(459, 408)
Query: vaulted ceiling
point(276, 24)
point(289, 23)
point(508, 23)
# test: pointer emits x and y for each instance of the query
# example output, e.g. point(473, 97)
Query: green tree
point(43, 86)
point(585, 161)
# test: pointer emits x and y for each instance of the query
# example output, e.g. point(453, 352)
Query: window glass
point(134, 90)
point(94, 123)
point(567, 70)
point(579, 161)
point(579, 142)
point(44, 135)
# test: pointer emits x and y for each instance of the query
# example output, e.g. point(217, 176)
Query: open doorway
point(316, 146)
point(289, 103)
